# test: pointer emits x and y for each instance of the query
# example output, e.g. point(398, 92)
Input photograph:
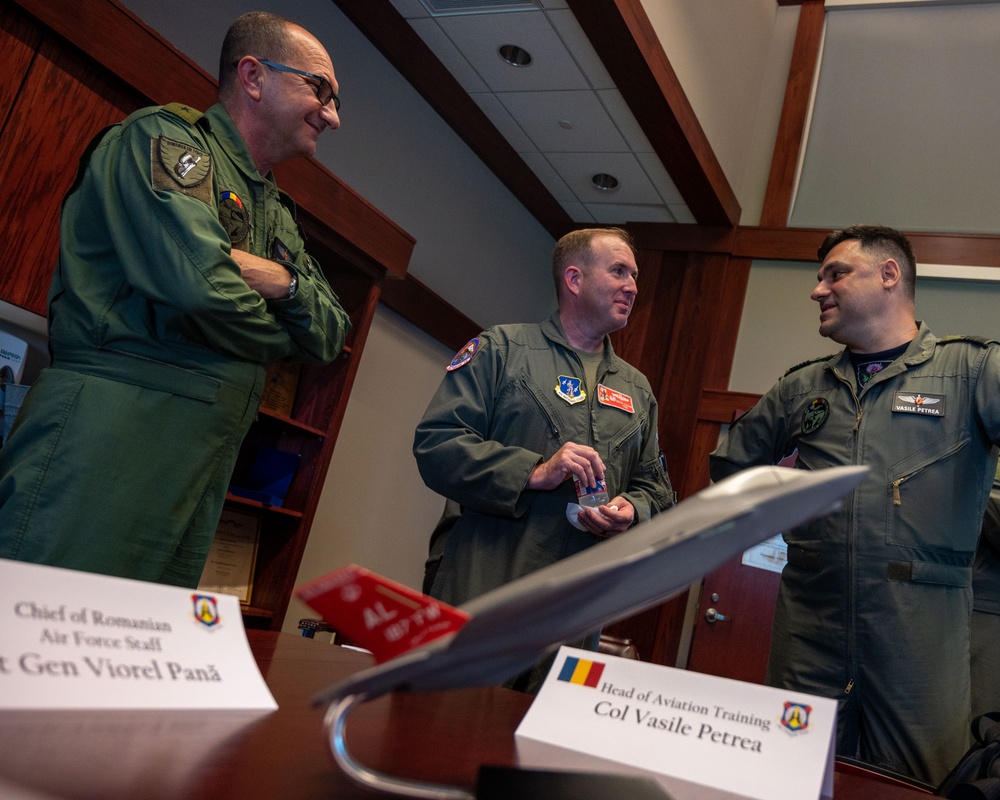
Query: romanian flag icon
point(581, 671)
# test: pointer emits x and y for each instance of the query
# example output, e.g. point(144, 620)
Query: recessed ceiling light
point(604, 182)
point(514, 55)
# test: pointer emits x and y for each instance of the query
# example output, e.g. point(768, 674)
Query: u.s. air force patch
point(815, 415)
point(464, 356)
point(570, 389)
point(180, 166)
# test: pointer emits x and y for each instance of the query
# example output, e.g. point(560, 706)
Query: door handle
point(712, 616)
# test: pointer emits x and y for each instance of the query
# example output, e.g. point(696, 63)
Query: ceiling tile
point(564, 122)
point(448, 54)
point(579, 46)
point(614, 104)
point(547, 175)
point(478, 36)
point(578, 212)
point(504, 122)
point(577, 169)
point(659, 178)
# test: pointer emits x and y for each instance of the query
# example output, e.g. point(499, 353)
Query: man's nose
point(330, 116)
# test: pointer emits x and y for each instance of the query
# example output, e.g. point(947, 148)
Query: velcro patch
point(613, 398)
point(932, 405)
point(180, 166)
point(464, 356)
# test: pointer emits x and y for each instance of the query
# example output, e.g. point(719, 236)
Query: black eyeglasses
point(324, 91)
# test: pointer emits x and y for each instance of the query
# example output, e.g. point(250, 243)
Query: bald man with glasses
point(182, 273)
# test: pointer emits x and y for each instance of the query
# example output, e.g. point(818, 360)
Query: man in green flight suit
point(182, 273)
point(524, 412)
point(875, 603)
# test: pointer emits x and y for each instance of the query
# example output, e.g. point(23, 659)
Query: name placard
point(76, 640)
point(692, 732)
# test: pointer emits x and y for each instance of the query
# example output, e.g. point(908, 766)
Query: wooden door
point(736, 644)
point(732, 629)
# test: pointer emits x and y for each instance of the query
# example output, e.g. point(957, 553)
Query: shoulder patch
point(186, 113)
point(464, 356)
point(790, 370)
point(980, 340)
point(180, 166)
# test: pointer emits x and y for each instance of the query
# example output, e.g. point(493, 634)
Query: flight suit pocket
point(915, 516)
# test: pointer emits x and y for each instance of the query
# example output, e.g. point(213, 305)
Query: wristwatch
point(293, 285)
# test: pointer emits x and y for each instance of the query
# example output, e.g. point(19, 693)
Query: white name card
point(699, 736)
point(75, 640)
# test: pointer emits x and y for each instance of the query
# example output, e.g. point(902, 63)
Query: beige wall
point(374, 510)
point(779, 325)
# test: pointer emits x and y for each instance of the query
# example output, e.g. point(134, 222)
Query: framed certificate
point(230, 565)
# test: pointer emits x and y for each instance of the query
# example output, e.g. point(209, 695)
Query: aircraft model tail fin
point(377, 613)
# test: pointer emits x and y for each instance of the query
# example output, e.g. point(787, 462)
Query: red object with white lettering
point(379, 614)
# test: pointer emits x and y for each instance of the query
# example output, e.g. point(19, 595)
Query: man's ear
point(250, 74)
point(571, 279)
point(891, 273)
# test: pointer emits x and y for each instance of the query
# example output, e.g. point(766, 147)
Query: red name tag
point(609, 397)
point(381, 615)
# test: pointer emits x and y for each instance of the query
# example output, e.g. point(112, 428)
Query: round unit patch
point(815, 415)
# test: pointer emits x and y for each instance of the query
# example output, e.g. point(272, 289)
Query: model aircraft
point(507, 630)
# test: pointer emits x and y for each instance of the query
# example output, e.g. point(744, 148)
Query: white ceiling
point(562, 113)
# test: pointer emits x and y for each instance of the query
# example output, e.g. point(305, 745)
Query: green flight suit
point(121, 455)
point(986, 611)
point(501, 413)
point(875, 601)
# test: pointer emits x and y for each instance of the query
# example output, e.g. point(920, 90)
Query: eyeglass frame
point(303, 73)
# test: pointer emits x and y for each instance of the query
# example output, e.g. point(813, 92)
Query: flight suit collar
point(918, 351)
point(553, 330)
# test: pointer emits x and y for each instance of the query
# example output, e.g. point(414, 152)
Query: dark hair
point(574, 248)
point(256, 33)
point(883, 242)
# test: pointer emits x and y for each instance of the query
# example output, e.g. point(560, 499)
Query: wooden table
point(440, 737)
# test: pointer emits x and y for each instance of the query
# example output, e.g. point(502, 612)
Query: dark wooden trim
point(719, 406)
point(406, 51)
point(794, 112)
point(624, 38)
point(683, 238)
point(138, 55)
point(417, 304)
point(801, 244)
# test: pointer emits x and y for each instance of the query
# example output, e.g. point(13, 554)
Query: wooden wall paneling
point(19, 39)
point(792, 124)
point(645, 341)
point(42, 141)
point(692, 339)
